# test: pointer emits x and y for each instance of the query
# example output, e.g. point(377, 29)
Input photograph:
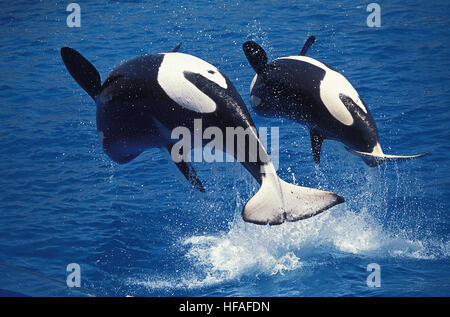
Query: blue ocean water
point(139, 229)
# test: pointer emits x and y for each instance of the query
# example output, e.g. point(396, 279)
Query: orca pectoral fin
point(85, 74)
point(373, 160)
point(307, 45)
point(256, 56)
point(316, 144)
point(176, 48)
point(188, 171)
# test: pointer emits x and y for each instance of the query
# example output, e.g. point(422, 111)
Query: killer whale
point(314, 94)
point(145, 98)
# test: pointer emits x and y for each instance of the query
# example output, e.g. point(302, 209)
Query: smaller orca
point(313, 93)
point(145, 98)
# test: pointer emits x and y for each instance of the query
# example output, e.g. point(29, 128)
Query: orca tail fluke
point(374, 160)
point(278, 201)
point(84, 73)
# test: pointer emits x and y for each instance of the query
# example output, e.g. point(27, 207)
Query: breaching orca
point(312, 93)
point(145, 98)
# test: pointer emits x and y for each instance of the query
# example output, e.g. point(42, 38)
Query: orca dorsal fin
point(176, 48)
point(307, 45)
point(316, 144)
point(84, 73)
point(256, 56)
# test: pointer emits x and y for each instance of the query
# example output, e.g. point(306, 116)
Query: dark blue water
point(139, 229)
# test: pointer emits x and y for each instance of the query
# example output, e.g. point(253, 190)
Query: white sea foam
point(249, 250)
point(370, 225)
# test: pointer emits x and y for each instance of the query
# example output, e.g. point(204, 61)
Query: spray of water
point(372, 223)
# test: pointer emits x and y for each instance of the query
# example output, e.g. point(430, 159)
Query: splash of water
point(349, 230)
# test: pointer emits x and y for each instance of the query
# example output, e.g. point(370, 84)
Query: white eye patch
point(171, 78)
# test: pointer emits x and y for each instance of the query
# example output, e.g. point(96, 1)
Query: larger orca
point(313, 93)
point(147, 97)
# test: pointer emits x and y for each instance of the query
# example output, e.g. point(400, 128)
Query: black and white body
point(312, 93)
point(145, 98)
